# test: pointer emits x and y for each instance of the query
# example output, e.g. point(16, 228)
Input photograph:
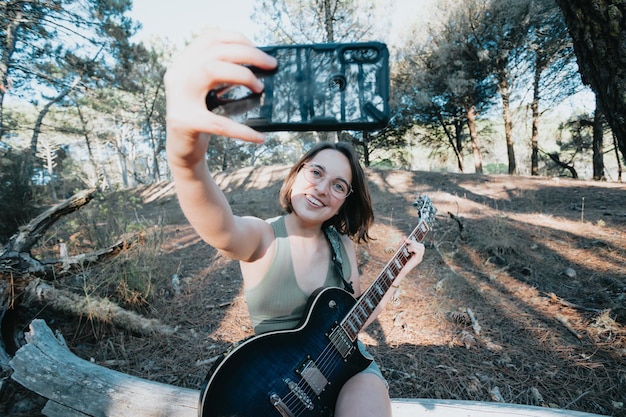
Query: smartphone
point(316, 87)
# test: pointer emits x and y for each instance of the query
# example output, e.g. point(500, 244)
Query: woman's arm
point(417, 251)
point(212, 60)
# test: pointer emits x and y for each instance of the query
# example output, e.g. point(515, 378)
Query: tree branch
point(25, 239)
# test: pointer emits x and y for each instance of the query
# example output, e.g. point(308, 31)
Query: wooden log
point(458, 408)
point(55, 409)
point(5, 300)
point(76, 387)
point(97, 308)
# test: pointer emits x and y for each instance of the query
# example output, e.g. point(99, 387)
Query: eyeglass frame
point(307, 172)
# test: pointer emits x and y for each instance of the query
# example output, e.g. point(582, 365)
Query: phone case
point(317, 87)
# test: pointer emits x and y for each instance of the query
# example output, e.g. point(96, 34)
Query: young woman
point(283, 260)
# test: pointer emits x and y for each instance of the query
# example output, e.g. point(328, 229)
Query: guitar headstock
point(425, 208)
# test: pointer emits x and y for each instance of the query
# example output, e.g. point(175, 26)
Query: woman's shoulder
point(344, 238)
point(347, 241)
point(280, 218)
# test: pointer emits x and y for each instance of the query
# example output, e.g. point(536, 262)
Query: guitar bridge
point(299, 393)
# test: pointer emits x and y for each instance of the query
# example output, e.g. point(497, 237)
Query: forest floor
point(521, 296)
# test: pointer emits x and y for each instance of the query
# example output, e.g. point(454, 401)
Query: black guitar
point(299, 372)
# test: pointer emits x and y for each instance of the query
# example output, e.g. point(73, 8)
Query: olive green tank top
point(277, 302)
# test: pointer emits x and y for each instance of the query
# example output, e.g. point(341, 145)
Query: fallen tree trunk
point(76, 387)
point(5, 293)
point(101, 309)
point(21, 273)
point(16, 258)
point(30, 234)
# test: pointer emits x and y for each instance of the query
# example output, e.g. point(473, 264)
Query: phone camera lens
point(337, 83)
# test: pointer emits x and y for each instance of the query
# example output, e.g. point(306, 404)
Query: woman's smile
point(314, 201)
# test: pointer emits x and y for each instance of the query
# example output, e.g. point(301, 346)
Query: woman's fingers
point(214, 59)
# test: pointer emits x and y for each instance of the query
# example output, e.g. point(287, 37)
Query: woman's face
point(321, 186)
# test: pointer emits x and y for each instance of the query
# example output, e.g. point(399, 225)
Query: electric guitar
point(299, 372)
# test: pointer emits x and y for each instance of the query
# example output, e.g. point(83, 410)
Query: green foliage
point(132, 275)
point(131, 278)
point(574, 146)
point(107, 218)
point(496, 168)
point(53, 43)
point(18, 197)
point(114, 115)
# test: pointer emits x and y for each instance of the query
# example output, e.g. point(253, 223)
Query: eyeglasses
point(315, 174)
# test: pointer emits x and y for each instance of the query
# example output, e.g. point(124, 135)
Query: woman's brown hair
point(356, 214)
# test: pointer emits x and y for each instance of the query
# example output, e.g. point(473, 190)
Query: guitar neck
point(354, 321)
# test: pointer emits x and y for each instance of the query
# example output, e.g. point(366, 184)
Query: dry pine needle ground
point(520, 298)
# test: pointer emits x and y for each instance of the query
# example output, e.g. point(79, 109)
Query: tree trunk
point(122, 153)
point(154, 144)
point(534, 140)
point(329, 21)
point(598, 145)
point(9, 40)
point(619, 164)
point(598, 29)
point(43, 113)
point(457, 143)
point(97, 178)
point(454, 140)
point(366, 149)
point(471, 124)
point(508, 125)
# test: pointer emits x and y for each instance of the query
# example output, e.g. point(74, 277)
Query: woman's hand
point(212, 60)
point(416, 249)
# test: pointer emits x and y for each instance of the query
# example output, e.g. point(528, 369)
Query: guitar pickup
point(313, 376)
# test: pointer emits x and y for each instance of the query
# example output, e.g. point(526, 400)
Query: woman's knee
point(365, 394)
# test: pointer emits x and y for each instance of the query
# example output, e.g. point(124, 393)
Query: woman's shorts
point(373, 367)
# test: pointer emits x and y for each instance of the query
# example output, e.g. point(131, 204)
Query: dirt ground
point(521, 296)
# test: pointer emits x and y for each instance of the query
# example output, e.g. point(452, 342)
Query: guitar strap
point(333, 238)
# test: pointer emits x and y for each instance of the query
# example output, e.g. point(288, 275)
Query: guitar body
point(291, 373)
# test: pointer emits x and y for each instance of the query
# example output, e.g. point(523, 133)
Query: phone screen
point(317, 87)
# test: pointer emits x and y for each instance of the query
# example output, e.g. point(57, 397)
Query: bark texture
point(76, 387)
point(598, 29)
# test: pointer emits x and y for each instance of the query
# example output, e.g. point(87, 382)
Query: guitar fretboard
point(373, 295)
